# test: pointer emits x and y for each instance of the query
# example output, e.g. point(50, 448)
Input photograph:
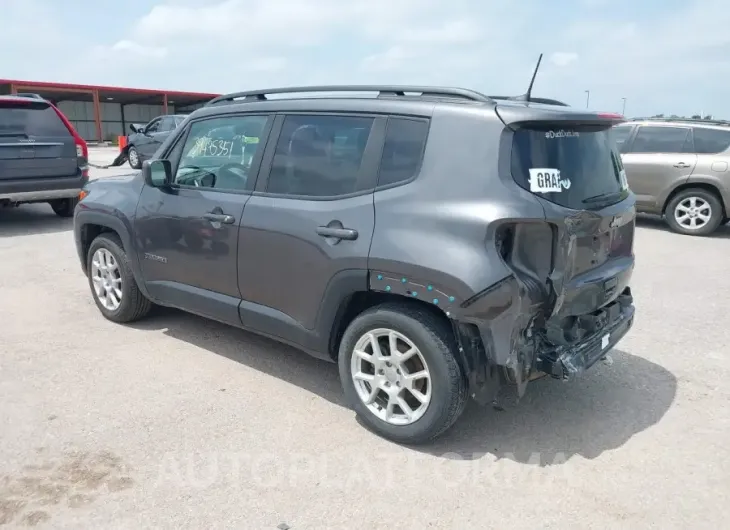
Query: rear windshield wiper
point(604, 197)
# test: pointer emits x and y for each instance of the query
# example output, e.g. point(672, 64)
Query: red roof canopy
point(78, 92)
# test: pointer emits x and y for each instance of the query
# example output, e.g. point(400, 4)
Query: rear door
point(658, 160)
point(311, 219)
point(34, 142)
point(575, 170)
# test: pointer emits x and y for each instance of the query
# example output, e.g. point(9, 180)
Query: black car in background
point(145, 139)
point(42, 157)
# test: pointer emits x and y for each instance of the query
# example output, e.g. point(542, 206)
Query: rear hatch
point(570, 162)
point(34, 141)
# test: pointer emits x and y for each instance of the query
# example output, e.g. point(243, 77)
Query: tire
point(133, 304)
point(435, 340)
point(64, 207)
point(133, 155)
point(706, 202)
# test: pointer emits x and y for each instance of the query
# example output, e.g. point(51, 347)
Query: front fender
point(87, 221)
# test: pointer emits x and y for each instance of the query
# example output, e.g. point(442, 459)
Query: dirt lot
point(178, 422)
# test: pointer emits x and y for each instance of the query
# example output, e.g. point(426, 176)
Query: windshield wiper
point(603, 197)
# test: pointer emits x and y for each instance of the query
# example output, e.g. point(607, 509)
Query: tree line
point(676, 117)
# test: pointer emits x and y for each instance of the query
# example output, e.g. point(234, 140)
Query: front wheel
point(112, 282)
point(399, 371)
point(134, 161)
point(695, 212)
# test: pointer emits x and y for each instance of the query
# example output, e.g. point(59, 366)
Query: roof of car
point(673, 122)
point(21, 98)
point(401, 99)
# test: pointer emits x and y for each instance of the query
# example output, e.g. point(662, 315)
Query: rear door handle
point(337, 233)
point(681, 165)
point(219, 218)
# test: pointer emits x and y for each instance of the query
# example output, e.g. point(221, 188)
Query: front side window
point(218, 153)
point(653, 139)
point(579, 168)
point(319, 155)
point(153, 126)
point(621, 133)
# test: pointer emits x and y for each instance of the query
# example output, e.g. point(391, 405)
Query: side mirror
point(157, 173)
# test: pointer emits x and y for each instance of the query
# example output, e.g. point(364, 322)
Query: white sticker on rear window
point(562, 134)
point(622, 179)
point(547, 180)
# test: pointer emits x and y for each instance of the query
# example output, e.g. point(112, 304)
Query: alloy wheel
point(391, 376)
point(693, 213)
point(107, 279)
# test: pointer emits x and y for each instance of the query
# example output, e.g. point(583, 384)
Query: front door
point(188, 233)
point(659, 158)
point(312, 222)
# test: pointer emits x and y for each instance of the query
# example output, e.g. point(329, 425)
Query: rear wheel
point(64, 207)
point(399, 371)
point(695, 212)
point(133, 156)
point(112, 282)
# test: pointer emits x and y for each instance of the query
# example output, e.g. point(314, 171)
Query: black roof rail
point(29, 95)
point(382, 90)
point(543, 101)
point(682, 120)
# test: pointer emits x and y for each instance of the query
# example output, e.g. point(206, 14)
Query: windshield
point(578, 168)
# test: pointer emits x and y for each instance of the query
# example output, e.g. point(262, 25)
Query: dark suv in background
point(679, 169)
point(42, 157)
point(437, 243)
point(146, 139)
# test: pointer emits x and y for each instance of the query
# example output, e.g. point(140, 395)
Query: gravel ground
point(179, 422)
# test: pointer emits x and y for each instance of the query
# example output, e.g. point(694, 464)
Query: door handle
point(681, 165)
point(337, 233)
point(220, 218)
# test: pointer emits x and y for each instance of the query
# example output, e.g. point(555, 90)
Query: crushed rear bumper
point(567, 362)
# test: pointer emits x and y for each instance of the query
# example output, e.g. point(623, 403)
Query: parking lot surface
point(180, 422)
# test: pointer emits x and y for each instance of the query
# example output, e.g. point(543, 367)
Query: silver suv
point(679, 168)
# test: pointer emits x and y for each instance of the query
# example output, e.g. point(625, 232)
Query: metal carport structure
point(104, 112)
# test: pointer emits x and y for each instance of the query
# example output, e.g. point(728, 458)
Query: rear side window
point(578, 168)
point(650, 139)
point(318, 155)
point(405, 140)
point(30, 119)
point(710, 141)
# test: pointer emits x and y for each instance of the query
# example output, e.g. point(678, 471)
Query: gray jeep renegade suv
point(437, 243)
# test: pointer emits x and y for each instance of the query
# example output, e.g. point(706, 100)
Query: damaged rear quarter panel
point(439, 232)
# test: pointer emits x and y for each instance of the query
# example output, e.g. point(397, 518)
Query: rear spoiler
point(520, 115)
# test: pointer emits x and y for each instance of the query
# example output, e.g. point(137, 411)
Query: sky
point(663, 56)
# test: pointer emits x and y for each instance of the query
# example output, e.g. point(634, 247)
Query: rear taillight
point(82, 150)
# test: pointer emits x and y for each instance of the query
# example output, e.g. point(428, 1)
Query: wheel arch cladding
point(358, 302)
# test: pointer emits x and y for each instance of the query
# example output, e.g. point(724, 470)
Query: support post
point(164, 104)
point(97, 115)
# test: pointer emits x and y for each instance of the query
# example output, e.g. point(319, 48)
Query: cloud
point(563, 58)
point(614, 49)
point(148, 52)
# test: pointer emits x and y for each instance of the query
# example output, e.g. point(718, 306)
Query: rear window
point(30, 119)
point(578, 168)
point(711, 141)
